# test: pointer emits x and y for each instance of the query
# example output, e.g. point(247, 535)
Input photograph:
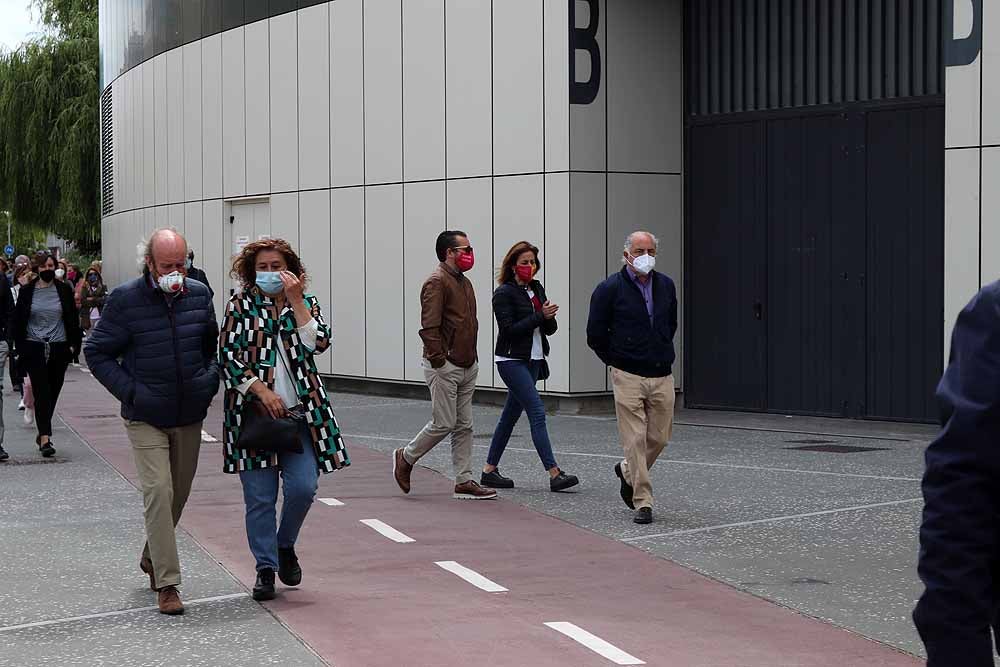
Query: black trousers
point(47, 377)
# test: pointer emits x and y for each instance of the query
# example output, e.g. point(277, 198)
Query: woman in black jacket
point(46, 335)
point(525, 319)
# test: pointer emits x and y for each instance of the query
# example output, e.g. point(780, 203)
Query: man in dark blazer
point(633, 319)
point(960, 534)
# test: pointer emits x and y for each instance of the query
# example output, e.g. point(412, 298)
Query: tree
point(49, 136)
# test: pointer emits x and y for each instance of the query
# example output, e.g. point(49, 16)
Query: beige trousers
point(645, 409)
point(451, 388)
point(166, 460)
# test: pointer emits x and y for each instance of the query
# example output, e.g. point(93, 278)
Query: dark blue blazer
point(619, 330)
point(959, 545)
point(156, 356)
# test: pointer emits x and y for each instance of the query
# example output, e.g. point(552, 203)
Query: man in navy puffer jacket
point(154, 348)
point(960, 534)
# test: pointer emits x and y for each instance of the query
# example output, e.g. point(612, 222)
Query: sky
point(16, 23)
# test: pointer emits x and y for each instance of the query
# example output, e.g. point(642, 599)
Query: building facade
point(791, 157)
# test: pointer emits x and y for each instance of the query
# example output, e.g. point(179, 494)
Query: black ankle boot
point(288, 567)
point(264, 588)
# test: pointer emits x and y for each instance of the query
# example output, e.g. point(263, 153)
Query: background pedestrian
point(449, 330)
point(525, 319)
point(46, 336)
point(633, 319)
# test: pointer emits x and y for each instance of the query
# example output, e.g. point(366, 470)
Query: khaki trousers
point(451, 388)
point(166, 460)
point(645, 409)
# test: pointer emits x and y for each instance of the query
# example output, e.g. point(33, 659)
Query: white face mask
point(172, 282)
point(60, 274)
point(643, 264)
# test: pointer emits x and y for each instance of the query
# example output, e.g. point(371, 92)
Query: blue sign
point(8, 250)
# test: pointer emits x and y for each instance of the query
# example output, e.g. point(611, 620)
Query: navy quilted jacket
point(960, 533)
point(158, 358)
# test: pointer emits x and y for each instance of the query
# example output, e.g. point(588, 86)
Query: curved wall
point(359, 129)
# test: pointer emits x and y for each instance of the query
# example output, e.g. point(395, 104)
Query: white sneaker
point(29, 416)
point(21, 406)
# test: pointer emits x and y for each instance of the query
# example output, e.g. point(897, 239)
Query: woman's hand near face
point(549, 310)
point(293, 286)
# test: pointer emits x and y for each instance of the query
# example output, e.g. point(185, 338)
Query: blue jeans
point(520, 378)
point(300, 477)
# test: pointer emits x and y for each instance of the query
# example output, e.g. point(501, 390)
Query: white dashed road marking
point(387, 530)
point(471, 576)
point(332, 502)
point(207, 437)
point(595, 644)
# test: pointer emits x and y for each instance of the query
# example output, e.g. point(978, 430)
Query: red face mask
point(525, 272)
point(465, 261)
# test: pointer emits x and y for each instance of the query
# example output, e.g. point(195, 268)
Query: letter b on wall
point(584, 39)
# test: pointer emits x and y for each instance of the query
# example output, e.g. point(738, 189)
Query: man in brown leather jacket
point(449, 330)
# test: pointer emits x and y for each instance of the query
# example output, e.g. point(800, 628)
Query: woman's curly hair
point(244, 265)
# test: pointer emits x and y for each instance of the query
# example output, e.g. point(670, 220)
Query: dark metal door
point(726, 364)
point(905, 294)
point(815, 264)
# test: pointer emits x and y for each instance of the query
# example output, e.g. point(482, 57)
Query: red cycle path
point(366, 601)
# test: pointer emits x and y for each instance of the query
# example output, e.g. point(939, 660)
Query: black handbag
point(263, 433)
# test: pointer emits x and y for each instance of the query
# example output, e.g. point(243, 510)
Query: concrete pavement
point(830, 534)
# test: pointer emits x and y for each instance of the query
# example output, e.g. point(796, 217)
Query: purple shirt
point(645, 287)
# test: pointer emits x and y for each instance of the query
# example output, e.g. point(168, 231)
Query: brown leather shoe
point(472, 491)
point(146, 566)
point(169, 601)
point(401, 469)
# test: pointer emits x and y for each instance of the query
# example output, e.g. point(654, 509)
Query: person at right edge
point(633, 319)
point(449, 330)
point(959, 560)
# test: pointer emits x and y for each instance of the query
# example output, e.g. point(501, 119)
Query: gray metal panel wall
point(753, 55)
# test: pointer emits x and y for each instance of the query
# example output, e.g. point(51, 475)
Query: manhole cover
point(838, 449)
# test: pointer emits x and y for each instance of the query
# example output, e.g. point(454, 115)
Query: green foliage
point(49, 133)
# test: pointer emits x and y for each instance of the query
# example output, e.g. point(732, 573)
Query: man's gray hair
point(630, 237)
point(144, 249)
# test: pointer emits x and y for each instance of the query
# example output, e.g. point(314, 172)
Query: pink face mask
point(465, 261)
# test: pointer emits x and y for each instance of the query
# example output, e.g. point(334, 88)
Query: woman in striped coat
point(270, 334)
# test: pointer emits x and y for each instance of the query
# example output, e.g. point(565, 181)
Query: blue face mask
point(188, 264)
point(269, 282)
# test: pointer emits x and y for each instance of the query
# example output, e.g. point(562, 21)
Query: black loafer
point(288, 567)
point(264, 588)
point(626, 489)
point(3, 454)
point(562, 481)
point(644, 515)
point(494, 480)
